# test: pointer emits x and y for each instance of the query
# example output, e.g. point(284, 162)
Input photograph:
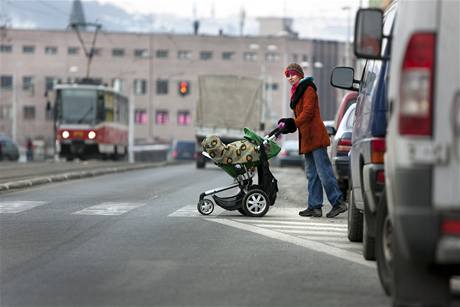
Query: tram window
point(77, 106)
point(100, 107)
point(109, 107)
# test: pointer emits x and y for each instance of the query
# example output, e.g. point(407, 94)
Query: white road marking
point(109, 208)
point(302, 222)
point(192, 211)
point(325, 239)
point(301, 227)
point(310, 244)
point(307, 232)
point(19, 206)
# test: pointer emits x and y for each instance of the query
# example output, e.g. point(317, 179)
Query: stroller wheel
point(255, 203)
point(205, 206)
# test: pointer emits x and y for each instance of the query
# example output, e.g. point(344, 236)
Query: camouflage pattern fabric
point(241, 151)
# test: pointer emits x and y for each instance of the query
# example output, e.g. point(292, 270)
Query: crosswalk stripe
point(301, 227)
point(278, 221)
point(348, 245)
point(19, 206)
point(323, 238)
point(304, 232)
point(109, 208)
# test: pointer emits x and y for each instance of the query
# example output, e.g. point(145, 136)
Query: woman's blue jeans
point(319, 174)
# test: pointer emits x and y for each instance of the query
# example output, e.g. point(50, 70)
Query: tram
point(91, 121)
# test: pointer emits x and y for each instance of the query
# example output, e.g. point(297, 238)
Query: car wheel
point(415, 283)
point(383, 246)
point(355, 220)
point(368, 240)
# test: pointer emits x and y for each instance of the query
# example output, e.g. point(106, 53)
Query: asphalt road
point(136, 239)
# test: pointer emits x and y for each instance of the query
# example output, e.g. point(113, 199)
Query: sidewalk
point(15, 175)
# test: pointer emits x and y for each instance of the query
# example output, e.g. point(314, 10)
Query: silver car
point(8, 149)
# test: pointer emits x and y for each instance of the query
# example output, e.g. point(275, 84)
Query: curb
point(21, 184)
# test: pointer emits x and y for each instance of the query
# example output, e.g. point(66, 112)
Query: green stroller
point(252, 199)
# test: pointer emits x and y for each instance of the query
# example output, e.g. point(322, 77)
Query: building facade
point(149, 69)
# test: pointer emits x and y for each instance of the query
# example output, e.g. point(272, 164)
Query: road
point(136, 239)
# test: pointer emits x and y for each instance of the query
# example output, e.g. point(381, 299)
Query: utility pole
point(347, 44)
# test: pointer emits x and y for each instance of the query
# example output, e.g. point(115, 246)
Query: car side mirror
point(368, 33)
point(331, 130)
point(344, 78)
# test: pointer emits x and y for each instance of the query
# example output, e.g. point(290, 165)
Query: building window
point(97, 51)
point(28, 84)
point(205, 55)
point(72, 50)
point(305, 58)
point(162, 87)
point(162, 54)
point(118, 84)
point(141, 53)
point(272, 57)
point(250, 56)
point(6, 112)
point(50, 82)
point(184, 55)
point(51, 50)
point(6, 82)
point(161, 117)
point(294, 58)
point(140, 116)
point(6, 48)
point(49, 112)
point(271, 86)
point(29, 112)
point(118, 52)
point(140, 87)
point(28, 49)
point(184, 118)
point(228, 55)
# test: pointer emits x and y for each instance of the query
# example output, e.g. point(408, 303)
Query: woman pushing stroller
point(313, 142)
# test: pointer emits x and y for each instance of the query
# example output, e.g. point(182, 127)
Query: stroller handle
point(274, 133)
point(277, 130)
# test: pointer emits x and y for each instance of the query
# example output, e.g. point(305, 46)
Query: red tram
point(91, 121)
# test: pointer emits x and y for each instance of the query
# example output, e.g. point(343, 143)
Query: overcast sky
point(228, 8)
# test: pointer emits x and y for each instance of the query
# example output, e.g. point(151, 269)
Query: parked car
point(289, 155)
point(340, 148)
point(182, 150)
point(8, 149)
point(330, 127)
point(418, 230)
point(368, 143)
point(347, 100)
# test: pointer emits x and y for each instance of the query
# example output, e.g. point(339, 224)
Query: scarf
point(299, 88)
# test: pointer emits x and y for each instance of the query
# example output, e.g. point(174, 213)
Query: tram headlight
point(65, 134)
point(91, 135)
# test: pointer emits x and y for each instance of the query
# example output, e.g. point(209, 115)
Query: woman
point(313, 142)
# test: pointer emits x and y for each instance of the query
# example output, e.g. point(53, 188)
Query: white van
point(419, 238)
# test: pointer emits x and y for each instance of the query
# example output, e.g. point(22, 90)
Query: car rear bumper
point(341, 167)
point(417, 224)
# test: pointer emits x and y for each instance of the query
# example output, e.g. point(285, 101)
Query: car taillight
point(344, 145)
point(416, 89)
point(284, 153)
point(380, 177)
point(174, 154)
point(377, 150)
point(450, 227)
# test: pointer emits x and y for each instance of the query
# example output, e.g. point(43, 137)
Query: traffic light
point(184, 88)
